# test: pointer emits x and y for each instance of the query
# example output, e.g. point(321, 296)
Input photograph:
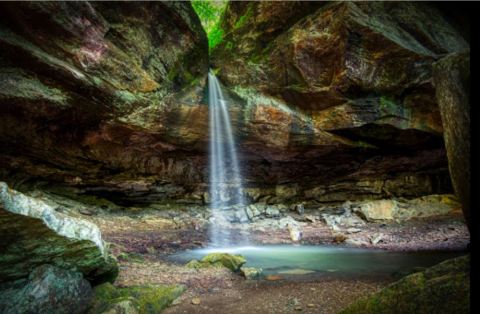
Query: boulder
point(295, 233)
point(34, 233)
point(49, 289)
point(272, 212)
point(299, 208)
point(425, 206)
point(378, 210)
point(251, 272)
point(230, 261)
point(443, 288)
point(452, 80)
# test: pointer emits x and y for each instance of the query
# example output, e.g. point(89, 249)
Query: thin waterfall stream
point(226, 188)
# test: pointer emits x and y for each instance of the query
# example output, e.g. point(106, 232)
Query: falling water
point(225, 179)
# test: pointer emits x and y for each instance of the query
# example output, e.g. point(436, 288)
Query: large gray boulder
point(49, 290)
point(33, 234)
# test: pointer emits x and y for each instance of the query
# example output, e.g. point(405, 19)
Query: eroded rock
point(34, 233)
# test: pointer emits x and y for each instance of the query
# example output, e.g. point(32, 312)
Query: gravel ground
point(327, 296)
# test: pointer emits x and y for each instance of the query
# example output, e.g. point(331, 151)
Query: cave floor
point(141, 242)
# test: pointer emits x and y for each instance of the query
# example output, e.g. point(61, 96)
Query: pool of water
point(303, 260)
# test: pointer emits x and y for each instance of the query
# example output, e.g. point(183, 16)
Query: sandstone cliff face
point(329, 101)
point(343, 91)
point(91, 91)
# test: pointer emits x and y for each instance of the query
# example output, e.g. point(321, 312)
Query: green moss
point(106, 291)
point(146, 299)
point(443, 288)
point(218, 260)
point(153, 299)
point(131, 257)
point(387, 104)
point(215, 37)
point(195, 264)
point(232, 262)
point(242, 19)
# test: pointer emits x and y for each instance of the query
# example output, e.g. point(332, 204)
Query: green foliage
point(215, 37)
point(210, 13)
point(241, 21)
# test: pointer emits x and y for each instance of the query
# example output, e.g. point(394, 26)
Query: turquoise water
point(290, 260)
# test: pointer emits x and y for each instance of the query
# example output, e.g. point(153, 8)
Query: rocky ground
point(159, 232)
point(326, 296)
point(141, 239)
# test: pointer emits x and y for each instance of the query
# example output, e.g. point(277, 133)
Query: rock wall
point(335, 94)
point(110, 99)
point(94, 94)
point(452, 79)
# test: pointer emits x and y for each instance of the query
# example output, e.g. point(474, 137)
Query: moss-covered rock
point(230, 261)
point(444, 288)
point(150, 299)
point(34, 233)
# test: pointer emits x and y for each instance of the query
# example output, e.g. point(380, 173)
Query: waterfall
point(225, 178)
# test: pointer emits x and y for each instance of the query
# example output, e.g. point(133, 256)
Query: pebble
point(298, 308)
point(273, 277)
point(353, 230)
point(310, 305)
point(196, 301)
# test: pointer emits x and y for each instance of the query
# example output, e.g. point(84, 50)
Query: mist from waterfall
point(226, 189)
